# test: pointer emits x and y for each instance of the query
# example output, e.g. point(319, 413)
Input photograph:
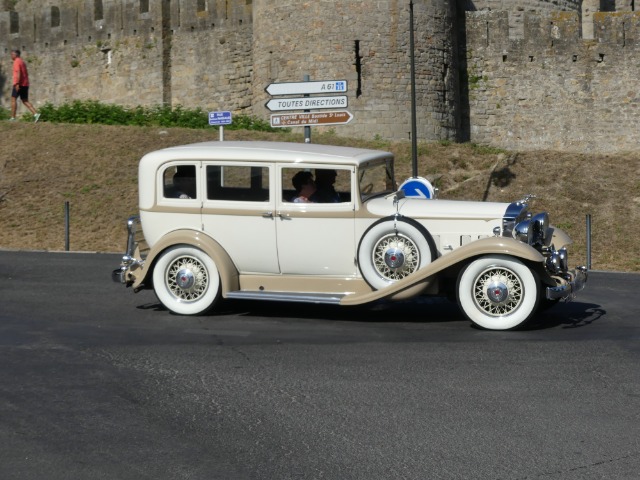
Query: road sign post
point(307, 129)
point(220, 119)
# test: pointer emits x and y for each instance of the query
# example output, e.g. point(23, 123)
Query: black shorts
point(23, 93)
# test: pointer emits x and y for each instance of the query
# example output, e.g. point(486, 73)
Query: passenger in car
point(184, 182)
point(304, 185)
point(325, 193)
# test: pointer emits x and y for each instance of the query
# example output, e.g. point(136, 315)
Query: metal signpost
point(220, 119)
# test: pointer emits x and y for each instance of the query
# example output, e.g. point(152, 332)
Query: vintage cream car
point(229, 228)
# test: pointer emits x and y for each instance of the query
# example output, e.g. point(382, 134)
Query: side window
point(316, 185)
point(238, 183)
point(180, 182)
point(376, 178)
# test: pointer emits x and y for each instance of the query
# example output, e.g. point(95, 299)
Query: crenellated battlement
point(60, 24)
point(557, 30)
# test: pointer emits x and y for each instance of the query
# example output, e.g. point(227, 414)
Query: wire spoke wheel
point(395, 257)
point(498, 291)
point(187, 278)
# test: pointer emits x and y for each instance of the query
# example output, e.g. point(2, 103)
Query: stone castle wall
point(552, 89)
point(168, 53)
point(522, 77)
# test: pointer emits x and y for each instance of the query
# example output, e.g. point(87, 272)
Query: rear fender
point(229, 277)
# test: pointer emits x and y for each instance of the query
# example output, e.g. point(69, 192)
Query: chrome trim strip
point(327, 298)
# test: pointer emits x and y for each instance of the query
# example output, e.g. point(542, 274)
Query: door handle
point(267, 214)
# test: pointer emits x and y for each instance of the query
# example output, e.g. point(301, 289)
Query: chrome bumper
point(118, 275)
point(129, 260)
point(568, 290)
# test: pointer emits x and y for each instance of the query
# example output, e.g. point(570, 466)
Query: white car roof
point(261, 151)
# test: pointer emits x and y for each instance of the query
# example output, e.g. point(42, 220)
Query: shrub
point(92, 111)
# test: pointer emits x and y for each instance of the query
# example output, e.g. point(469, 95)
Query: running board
point(329, 298)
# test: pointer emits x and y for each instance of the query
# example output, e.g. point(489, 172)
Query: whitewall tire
point(391, 249)
point(498, 292)
point(186, 280)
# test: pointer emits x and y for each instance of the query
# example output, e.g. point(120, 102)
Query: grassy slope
point(94, 168)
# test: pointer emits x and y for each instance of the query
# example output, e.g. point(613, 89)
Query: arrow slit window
point(358, 65)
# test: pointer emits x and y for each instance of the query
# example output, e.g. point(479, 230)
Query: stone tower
point(369, 48)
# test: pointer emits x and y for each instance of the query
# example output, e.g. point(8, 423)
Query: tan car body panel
point(559, 238)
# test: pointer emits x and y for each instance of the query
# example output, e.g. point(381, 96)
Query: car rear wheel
point(186, 281)
point(497, 292)
point(392, 249)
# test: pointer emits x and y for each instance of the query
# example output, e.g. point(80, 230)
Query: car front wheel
point(497, 292)
point(186, 281)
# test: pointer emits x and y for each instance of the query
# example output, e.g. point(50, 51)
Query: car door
point(238, 213)
point(315, 238)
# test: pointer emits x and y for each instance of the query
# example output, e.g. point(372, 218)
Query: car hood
point(446, 209)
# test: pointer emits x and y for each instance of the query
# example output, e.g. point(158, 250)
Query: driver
point(325, 191)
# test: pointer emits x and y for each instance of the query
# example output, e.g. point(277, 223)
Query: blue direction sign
point(219, 118)
point(417, 187)
point(303, 88)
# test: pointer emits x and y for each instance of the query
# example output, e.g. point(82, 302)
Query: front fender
point(559, 238)
point(484, 246)
point(229, 277)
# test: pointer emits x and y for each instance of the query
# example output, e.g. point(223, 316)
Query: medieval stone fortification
point(517, 74)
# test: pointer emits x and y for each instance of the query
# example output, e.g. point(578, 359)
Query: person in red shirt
point(20, 86)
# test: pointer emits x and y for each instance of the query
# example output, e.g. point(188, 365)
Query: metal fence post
point(589, 241)
point(66, 225)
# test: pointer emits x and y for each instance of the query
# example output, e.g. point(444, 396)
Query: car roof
point(263, 151)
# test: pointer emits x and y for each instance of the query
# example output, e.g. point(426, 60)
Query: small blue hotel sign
point(220, 118)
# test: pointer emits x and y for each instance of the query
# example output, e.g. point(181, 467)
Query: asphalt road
point(97, 382)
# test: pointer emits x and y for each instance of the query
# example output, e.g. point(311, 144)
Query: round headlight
point(539, 225)
point(521, 231)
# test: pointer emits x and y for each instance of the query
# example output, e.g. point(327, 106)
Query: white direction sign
point(306, 103)
point(303, 88)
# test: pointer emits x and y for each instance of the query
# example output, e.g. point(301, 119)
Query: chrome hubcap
point(185, 279)
point(394, 257)
point(497, 292)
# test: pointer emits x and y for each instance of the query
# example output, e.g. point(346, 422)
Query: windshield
point(376, 178)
